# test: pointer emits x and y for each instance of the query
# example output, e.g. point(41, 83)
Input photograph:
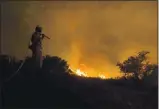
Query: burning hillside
point(82, 71)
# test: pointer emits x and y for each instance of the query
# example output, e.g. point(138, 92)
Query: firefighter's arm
point(43, 35)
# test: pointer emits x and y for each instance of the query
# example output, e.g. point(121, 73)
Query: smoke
point(94, 33)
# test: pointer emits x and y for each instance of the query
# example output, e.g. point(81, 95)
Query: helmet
point(38, 28)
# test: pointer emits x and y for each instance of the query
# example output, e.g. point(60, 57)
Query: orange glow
point(102, 76)
point(98, 34)
point(82, 71)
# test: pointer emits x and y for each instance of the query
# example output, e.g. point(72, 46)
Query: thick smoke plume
point(97, 34)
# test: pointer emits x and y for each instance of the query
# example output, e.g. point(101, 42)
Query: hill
point(53, 86)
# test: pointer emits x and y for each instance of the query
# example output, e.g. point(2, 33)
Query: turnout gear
point(36, 45)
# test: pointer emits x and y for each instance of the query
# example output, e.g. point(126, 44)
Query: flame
point(81, 71)
point(102, 76)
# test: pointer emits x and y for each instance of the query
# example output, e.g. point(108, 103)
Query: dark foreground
point(49, 90)
point(75, 92)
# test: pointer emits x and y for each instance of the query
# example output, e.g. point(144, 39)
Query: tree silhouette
point(136, 65)
point(55, 88)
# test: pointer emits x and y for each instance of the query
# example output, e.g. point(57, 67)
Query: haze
point(97, 34)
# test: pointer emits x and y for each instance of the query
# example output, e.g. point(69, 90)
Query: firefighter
point(36, 45)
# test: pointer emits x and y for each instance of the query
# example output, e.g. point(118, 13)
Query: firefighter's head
point(38, 28)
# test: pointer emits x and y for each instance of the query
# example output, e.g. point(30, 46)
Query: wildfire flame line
point(78, 72)
point(102, 76)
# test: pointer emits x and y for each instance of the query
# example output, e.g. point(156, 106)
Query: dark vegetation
point(55, 86)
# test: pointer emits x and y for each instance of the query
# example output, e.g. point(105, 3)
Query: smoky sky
point(97, 34)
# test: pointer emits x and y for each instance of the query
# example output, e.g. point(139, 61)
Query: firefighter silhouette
point(36, 45)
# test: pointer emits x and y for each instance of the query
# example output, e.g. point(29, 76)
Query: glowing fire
point(102, 76)
point(81, 72)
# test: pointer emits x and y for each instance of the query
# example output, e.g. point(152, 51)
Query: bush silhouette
point(135, 65)
point(53, 86)
point(138, 69)
point(54, 64)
